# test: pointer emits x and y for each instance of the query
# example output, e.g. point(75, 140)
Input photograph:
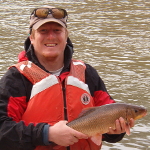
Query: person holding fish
point(47, 88)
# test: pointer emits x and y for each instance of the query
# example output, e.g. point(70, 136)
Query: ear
point(31, 38)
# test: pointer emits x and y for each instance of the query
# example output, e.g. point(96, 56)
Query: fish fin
point(86, 111)
point(97, 139)
point(127, 129)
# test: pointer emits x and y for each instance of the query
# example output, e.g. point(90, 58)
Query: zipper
point(65, 104)
point(64, 97)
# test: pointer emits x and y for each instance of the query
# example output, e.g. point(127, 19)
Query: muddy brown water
point(113, 36)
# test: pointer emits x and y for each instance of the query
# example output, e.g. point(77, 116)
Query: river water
point(113, 36)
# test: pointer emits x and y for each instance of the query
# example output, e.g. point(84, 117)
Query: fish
point(95, 121)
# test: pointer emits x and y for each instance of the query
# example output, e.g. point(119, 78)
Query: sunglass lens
point(58, 13)
point(42, 12)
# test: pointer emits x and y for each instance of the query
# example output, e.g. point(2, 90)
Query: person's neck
point(52, 65)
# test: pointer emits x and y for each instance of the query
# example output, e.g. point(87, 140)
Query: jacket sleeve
point(97, 87)
point(101, 97)
point(14, 94)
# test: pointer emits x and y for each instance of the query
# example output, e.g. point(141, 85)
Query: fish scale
point(97, 120)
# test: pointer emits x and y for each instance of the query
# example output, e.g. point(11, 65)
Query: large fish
point(97, 120)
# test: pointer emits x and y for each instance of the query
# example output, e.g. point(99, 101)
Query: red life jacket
point(47, 99)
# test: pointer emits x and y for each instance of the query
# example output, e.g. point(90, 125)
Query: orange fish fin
point(127, 129)
point(86, 111)
point(97, 139)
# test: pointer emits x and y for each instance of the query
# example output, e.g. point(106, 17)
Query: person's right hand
point(63, 135)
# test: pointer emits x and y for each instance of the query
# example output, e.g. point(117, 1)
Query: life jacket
point(49, 95)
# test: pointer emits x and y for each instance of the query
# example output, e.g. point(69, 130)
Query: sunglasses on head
point(57, 13)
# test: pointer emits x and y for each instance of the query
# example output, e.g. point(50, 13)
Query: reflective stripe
point(78, 63)
point(44, 84)
point(76, 82)
point(28, 65)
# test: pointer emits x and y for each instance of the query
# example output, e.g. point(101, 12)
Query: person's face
point(49, 41)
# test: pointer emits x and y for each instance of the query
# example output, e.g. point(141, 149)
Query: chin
point(50, 56)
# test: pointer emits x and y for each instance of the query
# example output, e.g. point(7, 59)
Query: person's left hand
point(122, 127)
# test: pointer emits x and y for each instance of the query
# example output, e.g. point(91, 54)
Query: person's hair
point(32, 33)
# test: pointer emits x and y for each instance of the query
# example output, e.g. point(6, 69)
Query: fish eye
point(135, 110)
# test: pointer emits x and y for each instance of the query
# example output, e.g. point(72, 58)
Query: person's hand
point(122, 127)
point(63, 135)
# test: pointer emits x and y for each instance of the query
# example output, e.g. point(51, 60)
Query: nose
point(51, 34)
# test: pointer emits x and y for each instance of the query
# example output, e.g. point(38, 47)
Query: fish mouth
point(141, 115)
point(145, 113)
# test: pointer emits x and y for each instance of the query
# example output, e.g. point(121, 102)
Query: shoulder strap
point(78, 69)
point(31, 71)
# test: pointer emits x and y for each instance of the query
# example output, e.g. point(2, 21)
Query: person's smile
point(50, 45)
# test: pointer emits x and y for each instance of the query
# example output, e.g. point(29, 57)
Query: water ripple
point(113, 36)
